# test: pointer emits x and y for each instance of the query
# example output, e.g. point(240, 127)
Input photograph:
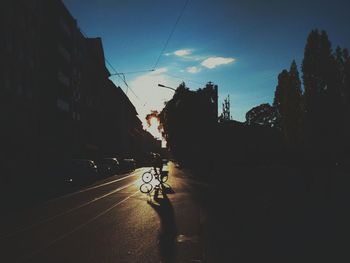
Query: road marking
point(77, 228)
point(65, 212)
point(134, 173)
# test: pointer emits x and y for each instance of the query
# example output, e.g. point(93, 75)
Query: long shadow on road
point(168, 228)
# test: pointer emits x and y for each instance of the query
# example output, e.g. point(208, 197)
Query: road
point(246, 215)
point(110, 221)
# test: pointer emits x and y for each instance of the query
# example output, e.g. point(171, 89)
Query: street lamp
point(163, 86)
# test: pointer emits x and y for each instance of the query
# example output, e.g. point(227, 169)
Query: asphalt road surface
point(248, 214)
point(110, 221)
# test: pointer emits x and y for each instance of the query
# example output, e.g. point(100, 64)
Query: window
point(62, 105)
point(9, 44)
point(7, 83)
point(63, 78)
point(20, 55)
point(29, 94)
point(64, 26)
point(19, 89)
point(76, 95)
point(64, 52)
point(31, 62)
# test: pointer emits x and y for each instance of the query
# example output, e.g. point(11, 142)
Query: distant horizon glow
point(153, 129)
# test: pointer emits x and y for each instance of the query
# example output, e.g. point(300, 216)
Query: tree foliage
point(323, 114)
point(287, 103)
point(314, 120)
point(343, 69)
point(262, 115)
point(189, 120)
point(279, 101)
point(317, 118)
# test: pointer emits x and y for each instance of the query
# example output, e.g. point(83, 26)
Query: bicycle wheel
point(147, 177)
point(146, 188)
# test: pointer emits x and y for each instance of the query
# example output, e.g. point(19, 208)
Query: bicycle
point(146, 188)
point(148, 176)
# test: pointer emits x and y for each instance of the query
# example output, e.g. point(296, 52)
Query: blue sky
point(239, 45)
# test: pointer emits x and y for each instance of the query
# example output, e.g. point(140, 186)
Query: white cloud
point(193, 70)
point(182, 52)
point(213, 62)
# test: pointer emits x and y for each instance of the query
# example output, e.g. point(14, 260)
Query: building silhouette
point(56, 99)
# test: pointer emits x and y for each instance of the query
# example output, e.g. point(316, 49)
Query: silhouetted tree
point(225, 115)
point(262, 115)
point(279, 101)
point(287, 102)
point(322, 93)
point(343, 66)
point(346, 76)
point(294, 109)
point(189, 120)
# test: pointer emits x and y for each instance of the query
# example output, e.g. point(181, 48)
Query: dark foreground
point(247, 214)
point(280, 214)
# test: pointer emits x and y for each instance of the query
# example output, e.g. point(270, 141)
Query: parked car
point(78, 171)
point(108, 166)
point(128, 164)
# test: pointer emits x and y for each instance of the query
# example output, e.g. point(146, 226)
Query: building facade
point(56, 99)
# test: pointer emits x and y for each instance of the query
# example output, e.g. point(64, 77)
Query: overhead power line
point(135, 72)
point(116, 73)
point(171, 34)
point(120, 75)
point(184, 79)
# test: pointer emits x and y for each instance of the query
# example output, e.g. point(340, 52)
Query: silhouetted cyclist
point(157, 163)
